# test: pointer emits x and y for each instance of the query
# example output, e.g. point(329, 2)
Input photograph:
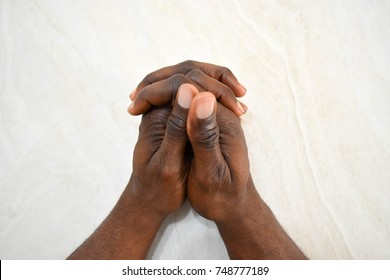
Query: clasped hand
point(190, 145)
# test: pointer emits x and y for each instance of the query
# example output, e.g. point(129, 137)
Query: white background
point(318, 125)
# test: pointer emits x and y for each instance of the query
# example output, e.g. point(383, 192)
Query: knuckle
point(154, 122)
point(175, 126)
point(225, 72)
point(177, 80)
point(187, 65)
point(226, 95)
point(194, 74)
point(207, 138)
point(149, 78)
point(157, 116)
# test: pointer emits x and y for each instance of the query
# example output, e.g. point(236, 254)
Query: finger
point(223, 93)
point(151, 134)
point(203, 132)
point(164, 91)
point(217, 72)
point(132, 95)
point(224, 75)
point(232, 141)
point(159, 93)
point(173, 146)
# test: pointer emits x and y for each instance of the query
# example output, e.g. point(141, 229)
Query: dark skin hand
point(220, 187)
point(210, 166)
point(157, 186)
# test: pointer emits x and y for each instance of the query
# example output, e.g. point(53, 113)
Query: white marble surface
point(318, 126)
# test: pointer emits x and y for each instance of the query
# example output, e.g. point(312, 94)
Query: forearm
point(254, 233)
point(127, 233)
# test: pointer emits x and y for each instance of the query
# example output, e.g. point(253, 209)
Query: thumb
point(203, 132)
point(175, 138)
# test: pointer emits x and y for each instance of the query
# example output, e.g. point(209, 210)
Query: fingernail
point(242, 107)
point(130, 107)
point(204, 108)
point(243, 88)
point(185, 97)
point(132, 94)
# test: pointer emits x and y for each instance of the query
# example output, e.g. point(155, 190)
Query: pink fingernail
point(185, 96)
point(243, 88)
point(243, 108)
point(204, 108)
point(240, 107)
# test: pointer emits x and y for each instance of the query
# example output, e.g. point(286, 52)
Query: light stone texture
point(318, 125)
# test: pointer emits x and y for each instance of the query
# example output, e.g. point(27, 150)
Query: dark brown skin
point(220, 187)
point(156, 188)
point(160, 87)
point(210, 166)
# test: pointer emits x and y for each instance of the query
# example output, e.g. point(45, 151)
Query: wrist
point(254, 233)
point(248, 206)
point(133, 205)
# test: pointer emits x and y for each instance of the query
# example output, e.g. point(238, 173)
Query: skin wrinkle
point(154, 124)
point(176, 124)
point(209, 166)
point(208, 137)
